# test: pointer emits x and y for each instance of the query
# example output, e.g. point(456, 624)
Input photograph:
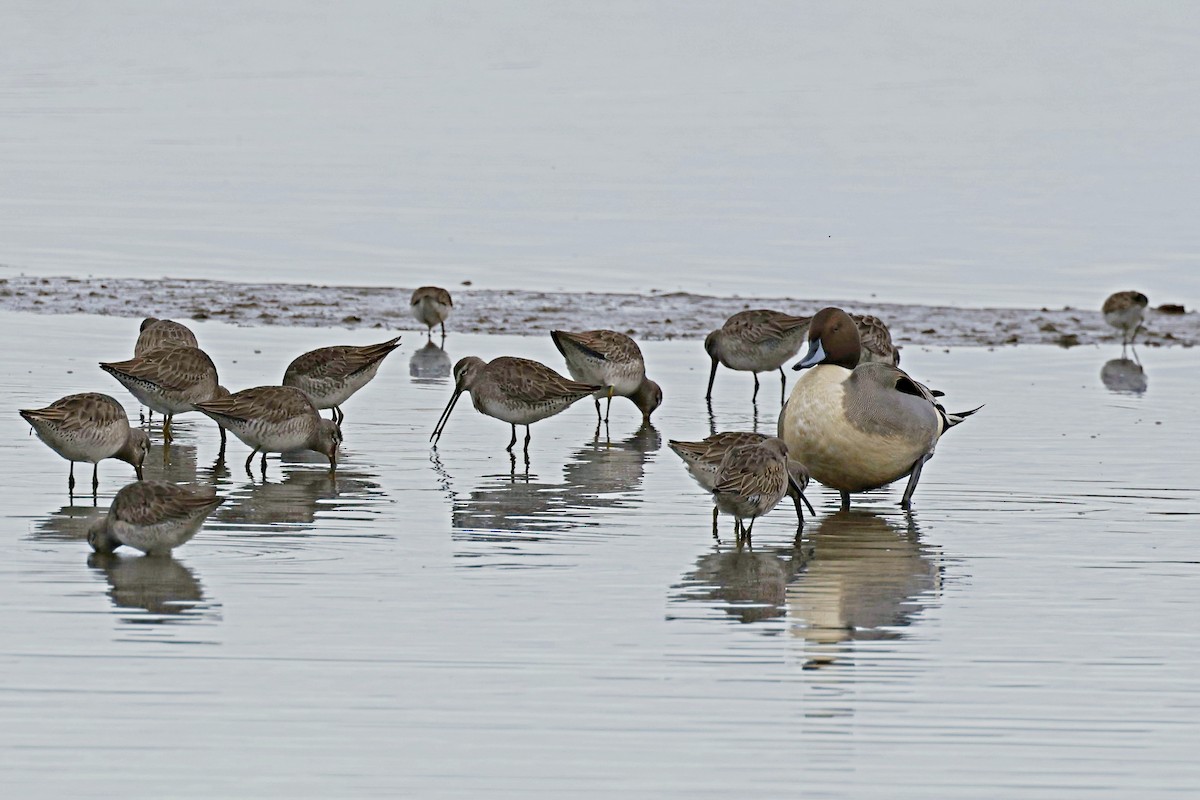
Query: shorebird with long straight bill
point(514, 390)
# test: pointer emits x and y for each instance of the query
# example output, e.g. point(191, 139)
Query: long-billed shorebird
point(275, 419)
point(329, 375)
point(755, 341)
point(703, 459)
point(431, 305)
point(750, 481)
point(1125, 312)
point(612, 360)
point(156, 333)
point(89, 427)
point(859, 426)
point(514, 390)
point(170, 380)
point(153, 516)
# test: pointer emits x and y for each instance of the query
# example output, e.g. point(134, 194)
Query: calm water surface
point(442, 624)
point(1025, 154)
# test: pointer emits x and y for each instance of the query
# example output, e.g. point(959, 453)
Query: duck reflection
point(1124, 376)
point(429, 364)
point(159, 585)
point(297, 499)
point(867, 580)
point(601, 475)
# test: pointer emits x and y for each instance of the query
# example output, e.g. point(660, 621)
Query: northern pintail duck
point(703, 459)
point(515, 390)
point(750, 481)
point(170, 380)
point(153, 516)
point(431, 305)
point(156, 333)
point(612, 360)
point(329, 375)
point(1125, 312)
point(89, 427)
point(275, 419)
point(859, 426)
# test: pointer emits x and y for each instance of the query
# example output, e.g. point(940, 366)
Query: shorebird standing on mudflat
point(614, 361)
point(89, 427)
point(275, 419)
point(153, 516)
point(514, 390)
point(431, 305)
point(1125, 312)
point(329, 375)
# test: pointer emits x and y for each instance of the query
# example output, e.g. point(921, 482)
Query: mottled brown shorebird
point(703, 459)
point(89, 427)
point(1125, 312)
point(755, 341)
point(329, 375)
point(153, 516)
point(275, 419)
point(750, 481)
point(431, 305)
point(156, 333)
point(514, 390)
point(612, 360)
point(170, 380)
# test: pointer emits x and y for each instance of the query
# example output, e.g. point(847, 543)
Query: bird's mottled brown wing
point(266, 403)
point(436, 292)
point(750, 470)
point(174, 368)
point(607, 344)
point(761, 325)
point(156, 333)
point(150, 502)
point(532, 382)
point(339, 361)
point(80, 411)
point(876, 338)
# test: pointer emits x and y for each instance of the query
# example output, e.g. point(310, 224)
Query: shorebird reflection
point(1124, 376)
point(296, 499)
point(159, 585)
point(429, 364)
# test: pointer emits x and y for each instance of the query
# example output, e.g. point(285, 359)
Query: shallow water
point(930, 152)
point(442, 624)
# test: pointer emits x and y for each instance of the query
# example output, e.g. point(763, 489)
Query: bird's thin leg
point(263, 464)
point(221, 452)
point(913, 477)
point(71, 480)
point(608, 407)
point(167, 437)
point(782, 386)
point(512, 441)
point(95, 477)
point(443, 330)
point(250, 460)
point(845, 501)
point(599, 419)
point(715, 534)
point(755, 395)
point(528, 436)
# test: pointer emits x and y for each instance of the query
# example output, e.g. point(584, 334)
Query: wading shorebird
point(329, 375)
point(156, 333)
point(750, 481)
point(170, 380)
point(703, 459)
point(153, 516)
point(431, 305)
point(275, 419)
point(614, 361)
point(89, 427)
point(859, 426)
point(514, 390)
point(1125, 312)
point(755, 341)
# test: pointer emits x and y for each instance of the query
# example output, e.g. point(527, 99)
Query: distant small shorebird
point(1125, 312)
point(156, 333)
point(89, 427)
point(275, 419)
point(329, 375)
point(750, 481)
point(153, 516)
point(170, 380)
point(431, 305)
point(514, 390)
point(703, 459)
point(612, 360)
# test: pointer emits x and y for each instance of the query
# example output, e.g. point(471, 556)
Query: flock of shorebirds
point(854, 420)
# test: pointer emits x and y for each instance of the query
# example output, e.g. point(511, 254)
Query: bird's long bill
point(814, 356)
point(712, 376)
point(800, 493)
point(441, 424)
